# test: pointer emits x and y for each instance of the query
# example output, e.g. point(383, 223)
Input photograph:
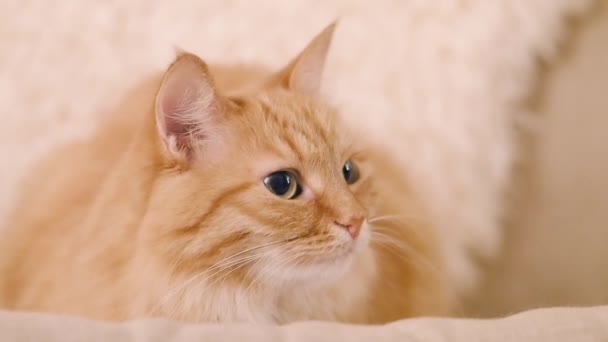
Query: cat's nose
point(352, 225)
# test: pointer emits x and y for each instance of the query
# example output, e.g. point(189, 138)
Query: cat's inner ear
point(187, 106)
point(305, 72)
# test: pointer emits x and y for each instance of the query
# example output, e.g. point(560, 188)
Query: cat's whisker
point(421, 262)
point(220, 266)
point(298, 258)
point(404, 251)
point(226, 262)
point(267, 271)
point(406, 222)
point(261, 272)
point(234, 265)
point(252, 249)
point(274, 266)
point(395, 218)
point(257, 258)
point(263, 269)
point(198, 276)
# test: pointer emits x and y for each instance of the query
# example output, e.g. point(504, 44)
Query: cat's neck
point(212, 300)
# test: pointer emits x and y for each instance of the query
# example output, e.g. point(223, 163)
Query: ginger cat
point(224, 196)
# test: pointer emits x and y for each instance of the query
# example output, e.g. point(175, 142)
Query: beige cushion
point(551, 325)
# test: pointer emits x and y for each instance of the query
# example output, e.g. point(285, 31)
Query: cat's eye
point(350, 171)
point(283, 184)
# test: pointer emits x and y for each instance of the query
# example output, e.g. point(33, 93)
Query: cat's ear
point(305, 72)
point(187, 106)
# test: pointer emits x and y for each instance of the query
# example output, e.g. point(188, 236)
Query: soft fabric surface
point(555, 325)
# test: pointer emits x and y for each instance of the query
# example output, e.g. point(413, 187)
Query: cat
point(224, 194)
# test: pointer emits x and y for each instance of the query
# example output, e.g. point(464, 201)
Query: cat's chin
point(328, 268)
point(319, 272)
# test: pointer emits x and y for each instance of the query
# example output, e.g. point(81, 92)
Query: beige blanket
point(550, 325)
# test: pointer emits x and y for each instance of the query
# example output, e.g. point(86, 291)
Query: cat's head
point(264, 184)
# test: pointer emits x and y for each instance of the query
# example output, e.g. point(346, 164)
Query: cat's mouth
point(321, 264)
point(350, 248)
point(340, 256)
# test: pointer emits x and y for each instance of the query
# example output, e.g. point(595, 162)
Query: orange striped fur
point(165, 214)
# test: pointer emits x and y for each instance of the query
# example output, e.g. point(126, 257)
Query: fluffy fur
point(164, 212)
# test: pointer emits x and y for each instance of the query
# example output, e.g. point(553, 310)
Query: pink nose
point(352, 225)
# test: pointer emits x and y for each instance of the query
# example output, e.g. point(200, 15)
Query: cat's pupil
point(350, 171)
point(280, 183)
point(283, 184)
